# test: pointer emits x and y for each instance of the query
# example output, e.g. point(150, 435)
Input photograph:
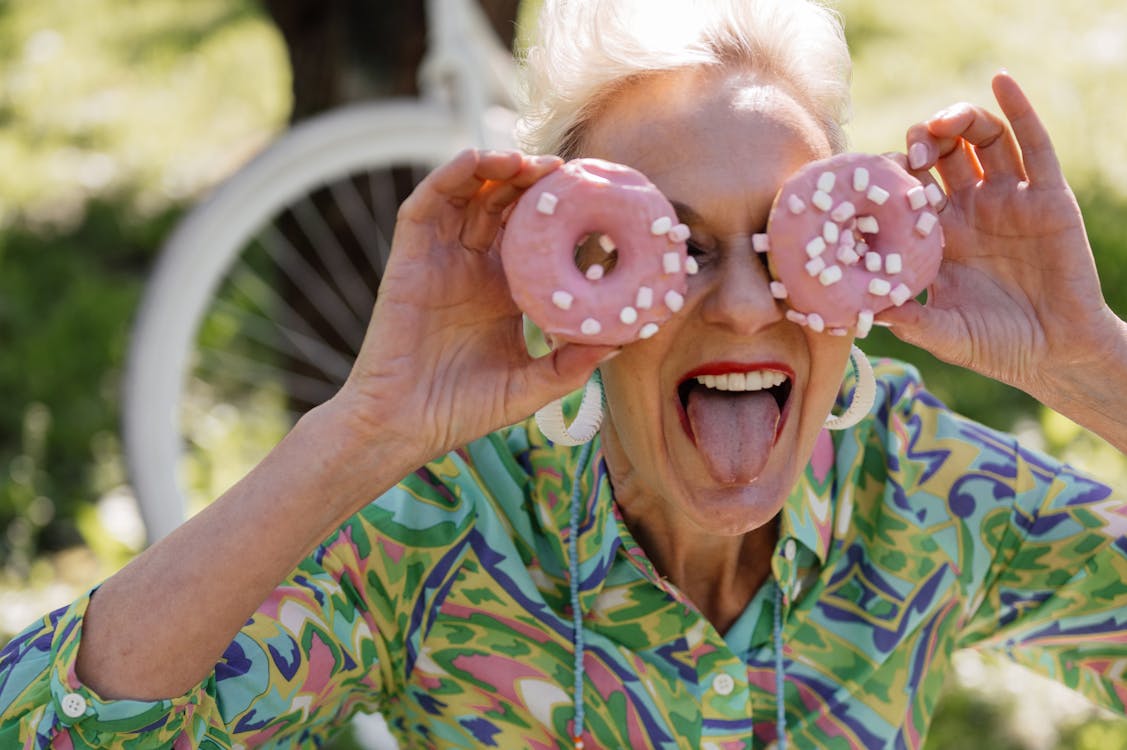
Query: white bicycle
point(260, 297)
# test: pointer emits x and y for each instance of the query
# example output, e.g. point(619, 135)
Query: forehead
point(729, 129)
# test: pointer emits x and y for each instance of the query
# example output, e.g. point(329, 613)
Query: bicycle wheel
point(260, 298)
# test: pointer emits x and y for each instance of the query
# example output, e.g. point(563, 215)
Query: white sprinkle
point(877, 195)
point(815, 247)
point(671, 262)
point(848, 239)
point(830, 276)
point(934, 194)
point(760, 242)
point(826, 181)
point(814, 320)
point(839, 331)
point(795, 204)
point(691, 266)
point(606, 243)
point(879, 287)
point(926, 223)
point(794, 316)
point(648, 330)
point(900, 294)
point(917, 199)
point(562, 300)
point(893, 263)
point(861, 248)
point(679, 233)
point(873, 262)
point(860, 179)
point(645, 298)
point(868, 225)
point(595, 272)
point(546, 203)
point(778, 291)
point(590, 327)
point(674, 301)
point(815, 266)
point(822, 200)
point(661, 225)
point(628, 315)
point(864, 323)
point(831, 233)
point(843, 212)
point(847, 256)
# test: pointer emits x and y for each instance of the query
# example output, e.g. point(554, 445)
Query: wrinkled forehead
point(706, 130)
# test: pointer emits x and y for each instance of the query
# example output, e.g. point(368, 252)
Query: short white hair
point(587, 49)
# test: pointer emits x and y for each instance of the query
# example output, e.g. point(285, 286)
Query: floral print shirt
point(445, 605)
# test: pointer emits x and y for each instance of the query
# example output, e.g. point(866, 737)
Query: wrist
point(1088, 388)
point(354, 448)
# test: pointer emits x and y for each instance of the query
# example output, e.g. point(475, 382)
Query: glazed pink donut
point(630, 216)
point(850, 236)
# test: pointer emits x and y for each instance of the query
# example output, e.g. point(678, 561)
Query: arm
point(444, 362)
point(1017, 297)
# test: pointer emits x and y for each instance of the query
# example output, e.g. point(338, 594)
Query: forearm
point(1094, 394)
point(158, 627)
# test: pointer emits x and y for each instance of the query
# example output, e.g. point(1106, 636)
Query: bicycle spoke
point(263, 296)
point(335, 258)
point(383, 195)
point(250, 372)
point(314, 288)
point(359, 220)
point(286, 341)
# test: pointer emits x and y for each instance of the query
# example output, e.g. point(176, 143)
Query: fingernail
point(917, 156)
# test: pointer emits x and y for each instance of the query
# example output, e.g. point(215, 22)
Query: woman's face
point(719, 145)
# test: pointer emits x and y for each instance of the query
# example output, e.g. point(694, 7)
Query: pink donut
point(850, 236)
point(630, 216)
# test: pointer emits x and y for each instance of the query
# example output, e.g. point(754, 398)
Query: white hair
point(588, 49)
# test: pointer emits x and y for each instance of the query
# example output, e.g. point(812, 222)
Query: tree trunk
point(344, 51)
point(352, 50)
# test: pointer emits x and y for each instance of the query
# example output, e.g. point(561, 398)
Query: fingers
point(1037, 153)
point(493, 179)
point(558, 373)
point(487, 211)
point(967, 143)
point(924, 176)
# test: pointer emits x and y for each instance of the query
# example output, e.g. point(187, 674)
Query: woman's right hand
point(444, 360)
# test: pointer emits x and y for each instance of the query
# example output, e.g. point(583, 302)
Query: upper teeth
point(743, 381)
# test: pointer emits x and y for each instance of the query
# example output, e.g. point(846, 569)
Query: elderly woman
point(760, 581)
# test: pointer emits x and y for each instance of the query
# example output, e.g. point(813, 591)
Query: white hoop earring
point(550, 418)
point(864, 394)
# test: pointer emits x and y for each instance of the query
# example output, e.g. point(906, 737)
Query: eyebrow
point(686, 214)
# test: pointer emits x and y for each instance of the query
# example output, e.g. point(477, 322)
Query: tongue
point(734, 431)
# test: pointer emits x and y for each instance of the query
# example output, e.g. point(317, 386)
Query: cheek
point(829, 361)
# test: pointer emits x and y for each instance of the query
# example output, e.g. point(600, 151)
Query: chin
point(733, 510)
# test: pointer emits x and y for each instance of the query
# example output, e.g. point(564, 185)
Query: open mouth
point(736, 381)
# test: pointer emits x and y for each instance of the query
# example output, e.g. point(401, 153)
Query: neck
point(719, 574)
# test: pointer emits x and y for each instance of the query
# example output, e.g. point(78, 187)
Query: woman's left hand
point(1017, 297)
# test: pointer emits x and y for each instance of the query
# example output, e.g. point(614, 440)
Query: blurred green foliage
point(112, 114)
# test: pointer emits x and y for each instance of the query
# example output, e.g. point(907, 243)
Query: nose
point(739, 296)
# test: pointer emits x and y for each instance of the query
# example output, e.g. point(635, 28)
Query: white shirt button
point(789, 549)
point(73, 705)
point(723, 684)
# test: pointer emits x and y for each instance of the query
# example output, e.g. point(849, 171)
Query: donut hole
point(590, 251)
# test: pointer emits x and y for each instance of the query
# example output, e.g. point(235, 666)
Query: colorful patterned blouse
point(445, 605)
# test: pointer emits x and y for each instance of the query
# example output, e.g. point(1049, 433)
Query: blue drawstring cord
point(576, 612)
point(780, 675)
